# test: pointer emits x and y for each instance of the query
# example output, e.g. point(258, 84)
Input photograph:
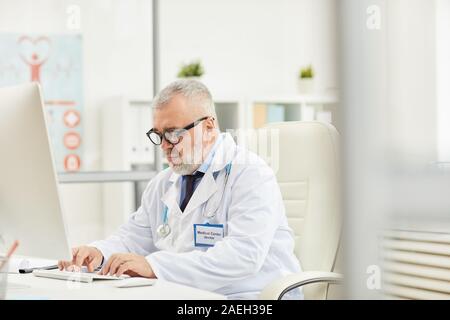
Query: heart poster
point(55, 61)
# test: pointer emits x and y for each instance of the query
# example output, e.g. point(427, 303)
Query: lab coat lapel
point(208, 185)
point(170, 198)
point(206, 188)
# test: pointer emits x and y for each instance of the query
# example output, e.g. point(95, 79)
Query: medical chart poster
point(55, 61)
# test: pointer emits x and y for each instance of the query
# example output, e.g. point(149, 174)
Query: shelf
point(290, 108)
point(103, 177)
point(296, 99)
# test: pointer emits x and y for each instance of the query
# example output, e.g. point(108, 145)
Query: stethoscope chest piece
point(163, 230)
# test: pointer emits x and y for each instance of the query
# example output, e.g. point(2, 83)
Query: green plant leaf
point(193, 69)
point(306, 73)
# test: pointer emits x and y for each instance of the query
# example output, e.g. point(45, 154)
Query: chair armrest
point(276, 289)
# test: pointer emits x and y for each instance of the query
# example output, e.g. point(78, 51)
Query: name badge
point(206, 235)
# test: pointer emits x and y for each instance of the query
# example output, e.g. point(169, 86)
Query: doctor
point(214, 219)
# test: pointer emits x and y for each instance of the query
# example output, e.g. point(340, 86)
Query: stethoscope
point(164, 229)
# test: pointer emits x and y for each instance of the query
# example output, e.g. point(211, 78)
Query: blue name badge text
point(206, 235)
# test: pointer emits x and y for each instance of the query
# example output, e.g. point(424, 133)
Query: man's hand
point(82, 256)
point(128, 263)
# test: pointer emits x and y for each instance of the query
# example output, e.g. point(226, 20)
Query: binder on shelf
point(146, 146)
point(259, 115)
point(275, 113)
point(140, 121)
point(133, 132)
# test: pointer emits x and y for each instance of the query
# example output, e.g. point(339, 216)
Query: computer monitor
point(30, 208)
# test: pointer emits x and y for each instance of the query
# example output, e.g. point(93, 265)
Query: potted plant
point(191, 70)
point(306, 80)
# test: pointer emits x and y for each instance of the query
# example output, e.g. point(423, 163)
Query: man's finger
point(93, 263)
point(81, 256)
point(66, 264)
point(90, 266)
point(105, 269)
point(115, 265)
point(123, 268)
point(75, 253)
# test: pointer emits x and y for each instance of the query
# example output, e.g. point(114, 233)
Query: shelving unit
point(238, 113)
point(125, 148)
point(296, 108)
point(244, 121)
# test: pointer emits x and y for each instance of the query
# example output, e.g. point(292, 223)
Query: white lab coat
point(257, 247)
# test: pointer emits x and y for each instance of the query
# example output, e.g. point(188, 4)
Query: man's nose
point(165, 145)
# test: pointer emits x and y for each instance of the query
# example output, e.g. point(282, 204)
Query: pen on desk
point(30, 270)
point(53, 267)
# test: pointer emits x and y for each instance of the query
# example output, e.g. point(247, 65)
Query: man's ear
point(210, 128)
point(210, 123)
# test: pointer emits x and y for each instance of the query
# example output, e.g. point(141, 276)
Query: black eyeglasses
point(172, 136)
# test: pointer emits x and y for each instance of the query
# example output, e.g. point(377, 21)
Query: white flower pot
point(306, 86)
point(192, 78)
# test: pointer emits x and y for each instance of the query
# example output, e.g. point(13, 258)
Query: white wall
point(250, 47)
point(411, 53)
point(443, 78)
point(117, 60)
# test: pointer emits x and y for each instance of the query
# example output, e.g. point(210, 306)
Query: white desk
point(43, 288)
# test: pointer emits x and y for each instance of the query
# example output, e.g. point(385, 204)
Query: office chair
point(307, 169)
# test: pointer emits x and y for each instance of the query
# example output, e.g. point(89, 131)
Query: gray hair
point(194, 91)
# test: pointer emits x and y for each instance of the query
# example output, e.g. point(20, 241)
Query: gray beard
point(184, 169)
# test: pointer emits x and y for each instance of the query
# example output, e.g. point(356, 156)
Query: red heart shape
point(34, 51)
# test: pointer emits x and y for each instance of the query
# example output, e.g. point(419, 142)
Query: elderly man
point(214, 219)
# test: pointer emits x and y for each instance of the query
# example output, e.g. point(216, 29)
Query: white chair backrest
point(307, 170)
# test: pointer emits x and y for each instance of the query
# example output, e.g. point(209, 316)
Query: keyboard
point(75, 276)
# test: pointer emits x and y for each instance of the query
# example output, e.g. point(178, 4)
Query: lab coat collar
point(170, 197)
point(209, 158)
point(174, 177)
point(224, 153)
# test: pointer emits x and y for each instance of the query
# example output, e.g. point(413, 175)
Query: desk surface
point(27, 286)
